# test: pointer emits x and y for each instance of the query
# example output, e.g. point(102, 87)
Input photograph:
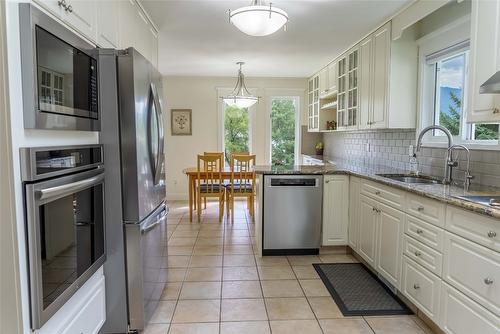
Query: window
point(445, 96)
point(283, 130)
point(236, 131)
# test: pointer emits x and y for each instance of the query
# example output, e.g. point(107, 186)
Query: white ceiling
point(196, 38)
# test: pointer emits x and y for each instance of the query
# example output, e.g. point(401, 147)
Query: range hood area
point(492, 85)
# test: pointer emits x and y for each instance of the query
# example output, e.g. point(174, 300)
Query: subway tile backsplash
point(390, 148)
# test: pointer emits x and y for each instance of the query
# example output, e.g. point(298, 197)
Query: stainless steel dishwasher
point(292, 214)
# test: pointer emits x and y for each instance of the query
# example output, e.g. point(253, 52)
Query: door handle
point(69, 188)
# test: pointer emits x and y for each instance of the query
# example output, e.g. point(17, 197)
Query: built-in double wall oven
point(64, 211)
point(59, 75)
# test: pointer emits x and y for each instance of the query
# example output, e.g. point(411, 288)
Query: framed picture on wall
point(180, 120)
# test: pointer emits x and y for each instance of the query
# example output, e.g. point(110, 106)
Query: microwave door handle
point(69, 188)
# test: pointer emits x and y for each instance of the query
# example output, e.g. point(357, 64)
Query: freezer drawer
point(292, 214)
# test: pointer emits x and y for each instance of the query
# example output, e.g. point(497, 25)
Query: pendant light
point(240, 97)
point(258, 19)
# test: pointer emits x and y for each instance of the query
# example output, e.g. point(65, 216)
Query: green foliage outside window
point(283, 131)
point(236, 131)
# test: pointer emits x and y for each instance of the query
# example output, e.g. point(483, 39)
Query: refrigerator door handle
point(161, 137)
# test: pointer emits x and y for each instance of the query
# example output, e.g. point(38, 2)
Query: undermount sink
point(411, 178)
point(490, 200)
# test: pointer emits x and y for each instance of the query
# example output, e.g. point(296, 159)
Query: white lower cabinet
point(353, 230)
point(474, 270)
point(389, 243)
point(335, 210)
point(421, 287)
point(367, 229)
point(461, 315)
point(423, 255)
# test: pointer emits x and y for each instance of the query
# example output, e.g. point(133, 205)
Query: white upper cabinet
point(484, 60)
point(108, 13)
point(81, 15)
point(365, 84)
point(381, 58)
point(323, 81)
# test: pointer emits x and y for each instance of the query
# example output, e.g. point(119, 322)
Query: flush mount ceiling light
point(258, 19)
point(240, 97)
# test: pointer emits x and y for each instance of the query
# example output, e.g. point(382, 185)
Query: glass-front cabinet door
point(341, 91)
point(352, 90)
point(313, 105)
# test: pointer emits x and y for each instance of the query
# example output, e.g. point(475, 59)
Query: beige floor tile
point(345, 326)
point(239, 274)
point(171, 291)
point(178, 261)
point(245, 327)
point(394, 325)
point(237, 233)
point(211, 234)
point(314, 288)
point(204, 274)
point(238, 249)
point(164, 312)
point(303, 260)
point(210, 241)
point(211, 227)
point(239, 260)
point(180, 250)
point(282, 288)
point(208, 250)
point(206, 261)
point(271, 261)
point(305, 272)
point(241, 289)
point(237, 241)
point(200, 328)
point(243, 310)
point(200, 290)
point(190, 311)
point(324, 307)
point(185, 234)
point(156, 329)
point(295, 327)
point(338, 258)
point(173, 242)
point(288, 309)
point(176, 274)
point(188, 227)
point(274, 273)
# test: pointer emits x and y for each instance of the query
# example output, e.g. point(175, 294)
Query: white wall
point(200, 95)
point(10, 304)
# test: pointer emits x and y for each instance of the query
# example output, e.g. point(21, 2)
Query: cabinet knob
point(416, 286)
point(419, 231)
point(420, 208)
point(377, 192)
point(492, 234)
point(327, 181)
point(496, 111)
point(417, 253)
point(69, 9)
point(62, 3)
point(488, 281)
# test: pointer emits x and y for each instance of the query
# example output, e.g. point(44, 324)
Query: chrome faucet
point(447, 168)
point(452, 163)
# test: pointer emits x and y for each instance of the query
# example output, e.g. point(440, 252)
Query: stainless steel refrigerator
point(131, 102)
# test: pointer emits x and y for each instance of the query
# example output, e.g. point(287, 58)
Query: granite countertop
point(443, 193)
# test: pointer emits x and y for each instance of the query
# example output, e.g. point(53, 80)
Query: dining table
point(192, 174)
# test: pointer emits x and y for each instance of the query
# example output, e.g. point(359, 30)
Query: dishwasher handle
point(293, 182)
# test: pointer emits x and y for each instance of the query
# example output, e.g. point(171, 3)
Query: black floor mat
point(357, 291)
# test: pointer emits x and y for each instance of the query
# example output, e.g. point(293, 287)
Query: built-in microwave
point(64, 209)
point(59, 75)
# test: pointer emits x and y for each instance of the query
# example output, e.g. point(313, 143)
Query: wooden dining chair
point(242, 183)
point(221, 154)
point(209, 181)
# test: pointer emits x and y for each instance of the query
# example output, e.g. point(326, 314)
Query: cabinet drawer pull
point(492, 234)
point(377, 192)
point(417, 253)
point(419, 231)
point(69, 9)
point(488, 281)
point(420, 208)
point(327, 181)
point(416, 286)
point(62, 3)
